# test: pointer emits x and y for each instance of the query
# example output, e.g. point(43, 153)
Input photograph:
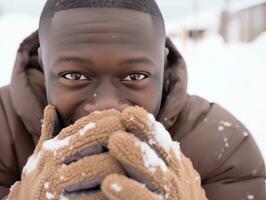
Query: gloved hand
point(156, 167)
point(73, 160)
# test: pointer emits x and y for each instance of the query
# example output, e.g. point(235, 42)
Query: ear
point(40, 58)
point(166, 53)
point(175, 67)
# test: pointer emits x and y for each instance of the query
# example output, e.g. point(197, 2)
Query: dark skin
point(101, 58)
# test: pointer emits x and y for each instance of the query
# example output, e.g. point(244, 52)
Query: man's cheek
point(158, 91)
point(151, 100)
point(65, 102)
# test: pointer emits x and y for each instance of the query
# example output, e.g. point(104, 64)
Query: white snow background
point(232, 75)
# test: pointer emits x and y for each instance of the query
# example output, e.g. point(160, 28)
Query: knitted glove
point(156, 167)
point(74, 160)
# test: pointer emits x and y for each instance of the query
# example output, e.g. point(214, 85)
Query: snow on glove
point(73, 160)
point(156, 167)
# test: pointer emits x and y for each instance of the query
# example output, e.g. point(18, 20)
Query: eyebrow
point(63, 59)
point(141, 60)
point(127, 61)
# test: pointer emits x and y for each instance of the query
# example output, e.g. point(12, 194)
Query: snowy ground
point(233, 75)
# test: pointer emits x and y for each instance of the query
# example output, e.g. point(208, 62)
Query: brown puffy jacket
point(220, 147)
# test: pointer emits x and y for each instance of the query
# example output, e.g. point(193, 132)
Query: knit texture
point(156, 167)
point(53, 169)
point(129, 154)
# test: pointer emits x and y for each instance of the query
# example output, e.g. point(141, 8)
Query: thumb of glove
point(51, 126)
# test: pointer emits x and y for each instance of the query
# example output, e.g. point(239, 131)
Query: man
point(96, 55)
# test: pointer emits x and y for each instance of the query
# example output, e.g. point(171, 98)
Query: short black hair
point(146, 6)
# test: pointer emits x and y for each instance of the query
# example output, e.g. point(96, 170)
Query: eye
point(135, 77)
point(75, 76)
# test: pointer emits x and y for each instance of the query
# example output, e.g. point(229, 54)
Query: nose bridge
point(105, 89)
point(107, 96)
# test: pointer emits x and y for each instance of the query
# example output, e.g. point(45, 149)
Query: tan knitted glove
point(156, 167)
point(71, 161)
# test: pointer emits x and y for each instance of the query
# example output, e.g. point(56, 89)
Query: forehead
point(85, 15)
point(123, 25)
point(102, 31)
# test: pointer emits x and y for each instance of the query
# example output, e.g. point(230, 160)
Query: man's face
point(101, 58)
